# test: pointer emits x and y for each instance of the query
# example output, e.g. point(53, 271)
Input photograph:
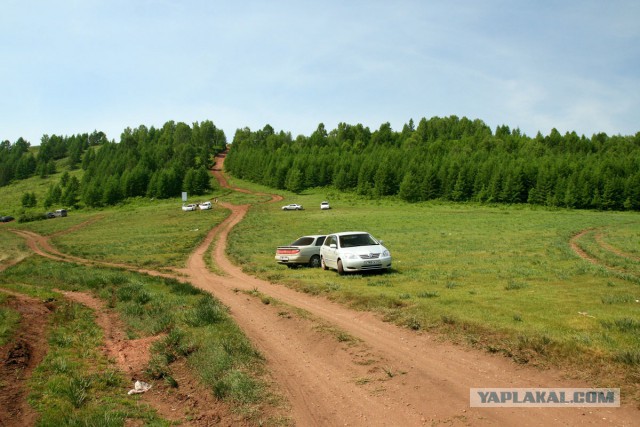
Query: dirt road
point(389, 376)
point(369, 373)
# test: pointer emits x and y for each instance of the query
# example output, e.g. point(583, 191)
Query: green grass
point(197, 329)
point(9, 320)
point(13, 247)
point(612, 253)
point(484, 274)
point(75, 384)
point(625, 237)
point(503, 278)
point(11, 195)
point(144, 233)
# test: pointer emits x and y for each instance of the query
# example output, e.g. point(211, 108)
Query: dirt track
point(385, 375)
point(391, 377)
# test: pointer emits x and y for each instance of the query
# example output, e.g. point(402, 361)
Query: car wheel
point(340, 268)
point(314, 262)
point(322, 264)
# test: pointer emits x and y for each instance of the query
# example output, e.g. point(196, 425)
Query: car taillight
point(288, 251)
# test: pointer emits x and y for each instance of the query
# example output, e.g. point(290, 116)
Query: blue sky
point(74, 66)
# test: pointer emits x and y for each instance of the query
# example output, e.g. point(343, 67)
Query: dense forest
point(18, 162)
point(147, 162)
point(448, 158)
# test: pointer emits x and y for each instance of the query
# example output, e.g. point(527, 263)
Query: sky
point(75, 66)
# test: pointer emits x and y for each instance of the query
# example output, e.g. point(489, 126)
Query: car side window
point(320, 241)
point(329, 240)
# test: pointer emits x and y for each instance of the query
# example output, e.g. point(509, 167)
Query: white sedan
point(292, 207)
point(354, 251)
point(189, 207)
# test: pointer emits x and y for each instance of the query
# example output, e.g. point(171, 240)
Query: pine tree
point(294, 180)
point(410, 187)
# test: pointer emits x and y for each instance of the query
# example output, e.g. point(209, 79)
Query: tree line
point(152, 162)
point(448, 158)
point(18, 162)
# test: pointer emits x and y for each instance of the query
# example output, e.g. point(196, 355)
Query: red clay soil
point(392, 377)
point(573, 243)
point(386, 375)
point(189, 404)
point(19, 357)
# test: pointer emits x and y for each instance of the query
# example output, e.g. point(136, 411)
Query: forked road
point(384, 376)
point(387, 375)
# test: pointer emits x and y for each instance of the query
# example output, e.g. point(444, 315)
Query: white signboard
point(184, 196)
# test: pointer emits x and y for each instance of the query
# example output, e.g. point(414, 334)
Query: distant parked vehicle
point(292, 207)
point(204, 206)
point(50, 215)
point(60, 212)
point(304, 251)
point(325, 205)
point(6, 218)
point(189, 207)
point(354, 251)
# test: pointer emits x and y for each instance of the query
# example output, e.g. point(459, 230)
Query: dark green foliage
point(197, 181)
point(447, 158)
point(10, 157)
point(29, 200)
point(293, 181)
point(150, 162)
point(16, 162)
point(30, 217)
point(71, 193)
point(158, 163)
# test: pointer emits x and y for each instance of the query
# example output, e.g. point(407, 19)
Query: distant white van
point(61, 212)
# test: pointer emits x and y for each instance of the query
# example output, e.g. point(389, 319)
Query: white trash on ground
point(139, 387)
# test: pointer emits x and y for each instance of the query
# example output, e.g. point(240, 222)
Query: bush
point(30, 217)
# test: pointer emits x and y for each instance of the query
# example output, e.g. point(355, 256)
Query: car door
point(328, 252)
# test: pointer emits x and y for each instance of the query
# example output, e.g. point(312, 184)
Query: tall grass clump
point(206, 311)
point(629, 357)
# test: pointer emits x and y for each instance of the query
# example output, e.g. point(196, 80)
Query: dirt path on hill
point(388, 376)
point(371, 373)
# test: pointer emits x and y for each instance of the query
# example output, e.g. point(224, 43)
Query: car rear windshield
point(303, 241)
point(352, 240)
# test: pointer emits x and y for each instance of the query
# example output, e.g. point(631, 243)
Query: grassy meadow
point(76, 384)
point(501, 277)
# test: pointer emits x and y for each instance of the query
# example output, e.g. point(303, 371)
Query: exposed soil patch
point(573, 243)
point(189, 403)
point(19, 358)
